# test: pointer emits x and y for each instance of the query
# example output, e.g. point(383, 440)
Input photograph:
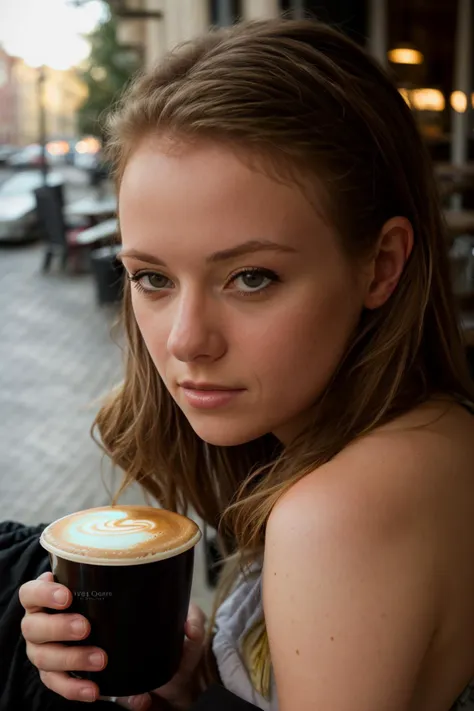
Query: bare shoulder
point(401, 469)
point(351, 567)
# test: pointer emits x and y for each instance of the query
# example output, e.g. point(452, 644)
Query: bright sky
point(48, 31)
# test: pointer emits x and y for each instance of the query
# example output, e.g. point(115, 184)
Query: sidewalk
point(57, 357)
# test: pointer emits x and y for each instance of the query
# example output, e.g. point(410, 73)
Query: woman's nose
point(195, 333)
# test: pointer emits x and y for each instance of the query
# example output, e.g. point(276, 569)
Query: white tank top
point(234, 618)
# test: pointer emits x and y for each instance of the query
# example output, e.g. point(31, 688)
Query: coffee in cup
point(130, 571)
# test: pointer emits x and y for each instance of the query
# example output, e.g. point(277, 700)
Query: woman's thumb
point(196, 623)
point(195, 628)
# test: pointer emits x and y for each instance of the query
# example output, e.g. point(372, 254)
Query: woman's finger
point(41, 627)
point(69, 688)
point(36, 594)
point(196, 622)
point(58, 657)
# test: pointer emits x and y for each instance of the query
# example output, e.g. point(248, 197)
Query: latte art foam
point(110, 530)
point(120, 535)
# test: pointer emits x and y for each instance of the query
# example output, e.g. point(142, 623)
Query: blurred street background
point(62, 65)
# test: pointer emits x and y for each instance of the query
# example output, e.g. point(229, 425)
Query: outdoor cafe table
point(94, 208)
point(103, 231)
point(93, 238)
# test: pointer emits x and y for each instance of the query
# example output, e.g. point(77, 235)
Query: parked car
point(28, 157)
point(18, 216)
point(32, 156)
point(6, 152)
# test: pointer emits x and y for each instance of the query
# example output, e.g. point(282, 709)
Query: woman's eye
point(254, 281)
point(149, 281)
point(251, 281)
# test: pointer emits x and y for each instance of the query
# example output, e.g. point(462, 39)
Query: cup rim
point(115, 562)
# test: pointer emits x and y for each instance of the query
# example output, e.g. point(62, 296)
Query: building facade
point(153, 27)
point(8, 107)
point(426, 45)
point(21, 95)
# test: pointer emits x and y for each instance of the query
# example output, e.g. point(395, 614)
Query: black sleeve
point(22, 559)
point(217, 698)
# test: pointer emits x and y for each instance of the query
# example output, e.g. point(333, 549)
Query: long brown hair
point(302, 97)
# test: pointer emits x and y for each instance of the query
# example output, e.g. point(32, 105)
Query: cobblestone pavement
point(57, 359)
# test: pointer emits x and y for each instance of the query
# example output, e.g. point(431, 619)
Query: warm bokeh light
point(90, 144)
point(433, 99)
point(405, 55)
point(458, 101)
point(427, 100)
point(57, 148)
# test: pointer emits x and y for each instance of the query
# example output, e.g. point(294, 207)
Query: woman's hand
point(177, 693)
point(44, 632)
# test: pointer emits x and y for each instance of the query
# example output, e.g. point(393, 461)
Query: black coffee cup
point(135, 596)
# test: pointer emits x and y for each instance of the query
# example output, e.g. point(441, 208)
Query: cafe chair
point(60, 241)
point(108, 273)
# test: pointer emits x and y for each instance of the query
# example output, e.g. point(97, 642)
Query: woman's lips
point(209, 399)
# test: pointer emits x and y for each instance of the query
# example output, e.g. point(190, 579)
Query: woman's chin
point(227, 436)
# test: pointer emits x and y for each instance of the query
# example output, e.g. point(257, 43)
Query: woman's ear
point(393, 249)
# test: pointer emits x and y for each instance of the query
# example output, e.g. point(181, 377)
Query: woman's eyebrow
point(221, 256)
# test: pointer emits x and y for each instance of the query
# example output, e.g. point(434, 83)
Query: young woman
point(295, 374)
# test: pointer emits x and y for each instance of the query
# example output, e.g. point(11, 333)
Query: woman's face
point(239, 285)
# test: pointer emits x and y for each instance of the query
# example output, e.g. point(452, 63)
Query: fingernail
point(96, 659)
point(78, 627)
point(136, 702)
point(60, 596)
point(87, 694)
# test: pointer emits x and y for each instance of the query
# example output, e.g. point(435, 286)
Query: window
point(221, 9)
